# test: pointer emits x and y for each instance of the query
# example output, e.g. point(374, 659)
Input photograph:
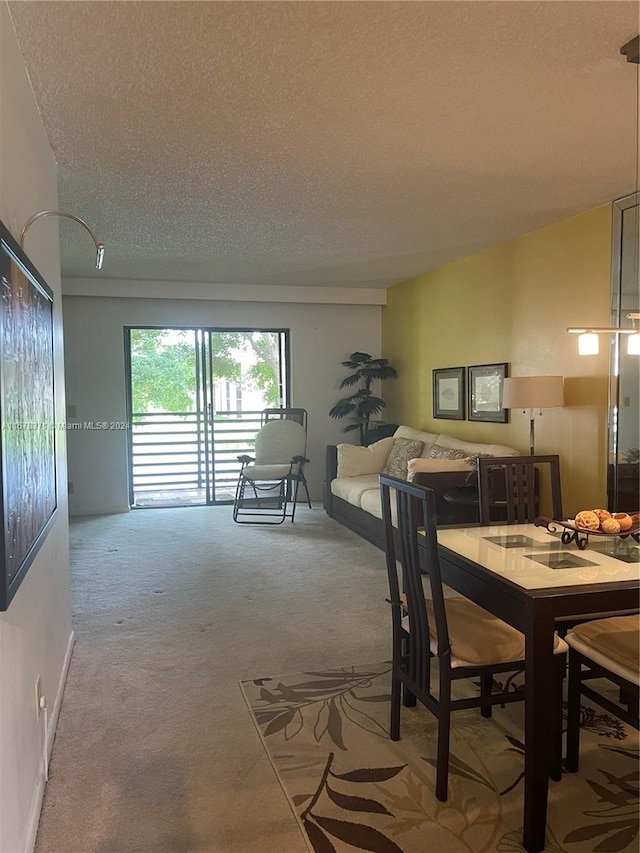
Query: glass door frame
point(623, 300)
point(204, 389)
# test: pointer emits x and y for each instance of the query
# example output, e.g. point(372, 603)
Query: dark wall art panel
point(27, 414)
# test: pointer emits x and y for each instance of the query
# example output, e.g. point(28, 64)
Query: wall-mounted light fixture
point(42, 213)
point(589, 342)
point(632, 50)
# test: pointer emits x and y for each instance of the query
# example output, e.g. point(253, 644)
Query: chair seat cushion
point(617, 638)
point(477, 637)
point(267, 472)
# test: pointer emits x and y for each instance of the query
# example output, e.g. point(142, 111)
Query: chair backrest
point(416, 514)
point(279, 441)
point(297, 415)
point(509, 485)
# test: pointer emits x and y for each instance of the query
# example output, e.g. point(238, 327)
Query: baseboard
point(36, 807)
point(114, 510)
point(53, 721)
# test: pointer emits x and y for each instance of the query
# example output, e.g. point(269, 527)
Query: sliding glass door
point(195, 400)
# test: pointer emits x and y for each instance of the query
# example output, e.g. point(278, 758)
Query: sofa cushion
point(427, 438)
point(372, 503)
point(402, 451)
point(355, 461)
point(474, 449)
point(351, 489)
point(470, 448)
point(429, 466)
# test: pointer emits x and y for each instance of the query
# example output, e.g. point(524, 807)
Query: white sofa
point(439, 461)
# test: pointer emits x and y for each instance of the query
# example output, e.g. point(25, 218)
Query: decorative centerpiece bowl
point(571, 532)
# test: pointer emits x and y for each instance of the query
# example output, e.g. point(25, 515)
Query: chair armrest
point(245, 459)
point(300, 460)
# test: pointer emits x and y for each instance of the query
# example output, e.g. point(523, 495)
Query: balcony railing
point(178, 452)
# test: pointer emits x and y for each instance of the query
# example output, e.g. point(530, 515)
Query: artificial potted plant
point(362, 405)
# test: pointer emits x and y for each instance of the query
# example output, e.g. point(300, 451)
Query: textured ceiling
point(326, 143)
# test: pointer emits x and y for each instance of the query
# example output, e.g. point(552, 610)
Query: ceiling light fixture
point(42, 213)
point(589, 343)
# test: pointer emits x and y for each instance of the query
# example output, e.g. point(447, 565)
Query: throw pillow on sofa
point(356, 461)
point(429, 438)
point(438, 452)
point(403, 450)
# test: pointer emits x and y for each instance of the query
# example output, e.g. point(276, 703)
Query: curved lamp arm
point(32, 219)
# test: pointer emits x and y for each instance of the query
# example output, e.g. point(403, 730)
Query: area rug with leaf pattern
point(351, 788)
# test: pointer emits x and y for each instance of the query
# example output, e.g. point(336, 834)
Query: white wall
point(321, 337)
point(35, 632)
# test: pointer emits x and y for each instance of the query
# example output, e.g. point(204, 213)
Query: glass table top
point(534, 558)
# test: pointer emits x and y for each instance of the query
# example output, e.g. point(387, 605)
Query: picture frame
point(28, 499)
point(485, 386)
point(449, 393)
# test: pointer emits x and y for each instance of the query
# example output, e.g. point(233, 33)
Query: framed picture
point(448, 393)
point(485, 385)
point(27, 415)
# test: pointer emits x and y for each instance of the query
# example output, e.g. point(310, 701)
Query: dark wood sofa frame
point(372, 528)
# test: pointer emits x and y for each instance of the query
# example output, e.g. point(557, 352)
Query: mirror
point(623, 473)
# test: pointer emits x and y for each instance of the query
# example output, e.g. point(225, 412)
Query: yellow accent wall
point(513, 303)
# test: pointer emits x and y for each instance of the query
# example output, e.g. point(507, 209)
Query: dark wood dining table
point(526, 576)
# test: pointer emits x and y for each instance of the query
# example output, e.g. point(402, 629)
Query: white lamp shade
point(633, 344)
point(588, 344)
point(533, 392)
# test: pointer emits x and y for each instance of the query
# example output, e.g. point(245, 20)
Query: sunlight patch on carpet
point(326, 734)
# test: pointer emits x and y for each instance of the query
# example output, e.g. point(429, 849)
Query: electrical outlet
point(38, 690)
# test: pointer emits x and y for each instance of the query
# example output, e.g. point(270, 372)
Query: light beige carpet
point(352, 788)
point(155, 751)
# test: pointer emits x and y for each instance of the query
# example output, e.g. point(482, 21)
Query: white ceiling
point(348, 144)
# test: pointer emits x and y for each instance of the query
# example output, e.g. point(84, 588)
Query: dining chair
point(466, 640)
point(508, 486)
point(602, 649)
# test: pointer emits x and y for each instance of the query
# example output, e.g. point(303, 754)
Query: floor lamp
point(534, 393)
